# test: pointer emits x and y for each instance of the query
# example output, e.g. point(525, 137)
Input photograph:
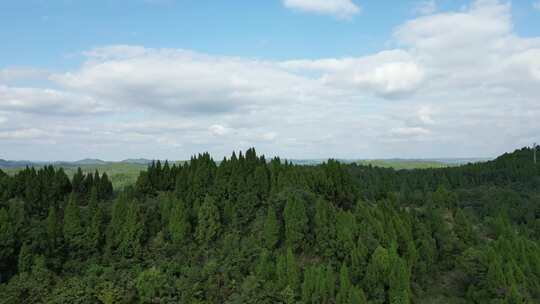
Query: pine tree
point(330, 283)
point(118, 217)
point(324, 227)
point(26, 260)
point(309, 285)
point(73, 230)
point(271, 229)
point(264, 267)
point(53, 229)
point(7, 242)
point(208, 221)
point(496, 281)
point(281, 271)
point(344, 285)
point(357, 296)
point(345, 227)
point(293, 275)
point(94, 232)
point(296, 222)
point(77, 181)
point(377, 272)
point(179, 225)
point(399, 282)
point(131, 235)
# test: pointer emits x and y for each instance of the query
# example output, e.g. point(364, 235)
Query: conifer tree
point(357, 296)
point(208, 221)
point(131, 234)
point(271, 229)
point(73, 230)
point(377, 273)
point(53, 229)
point(344, 285)
point(94, 232)
point(399, 282)
point(179, 224)
point(324, 227)
point(7, 241)
point(264, 267)
point(293, 275)
point(295, 222)
point(281, 271)
point(25, 260)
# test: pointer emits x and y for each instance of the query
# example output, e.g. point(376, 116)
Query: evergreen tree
point(324, 227)
point(73, 230)
point(293, 275)
point(7, 243)
point(296, 222)
point(271, 229)
point(131, 234)
point(95, 231)
point(26, 260)
point(208, 221)
point(377, 273)
point(399, 282)
point(179, 223)
point(344, 285)
point(53, 229)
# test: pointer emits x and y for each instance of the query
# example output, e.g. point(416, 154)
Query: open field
point(120, 174)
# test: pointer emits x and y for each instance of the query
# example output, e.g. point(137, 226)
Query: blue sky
point(299, 78)
point(53, 33)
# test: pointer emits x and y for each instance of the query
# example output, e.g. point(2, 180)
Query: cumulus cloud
point(182, 81)
point(46, 101)
point(340, 8)
point(218, 130)
point(21, 134)
point(457, 82)
point(387, 74)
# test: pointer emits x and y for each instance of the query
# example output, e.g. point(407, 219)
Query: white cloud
point(340, 8)
point(46, 101)
point(218, 130)
point(21, 134)
point(536, 5)
point(388, 74)
point(453, 77)
point(410, 131)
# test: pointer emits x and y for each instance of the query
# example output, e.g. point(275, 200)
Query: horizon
point(299, 79)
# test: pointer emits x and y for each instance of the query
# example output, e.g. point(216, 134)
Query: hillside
point(252, 230)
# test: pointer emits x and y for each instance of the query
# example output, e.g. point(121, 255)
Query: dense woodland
point(251, 230)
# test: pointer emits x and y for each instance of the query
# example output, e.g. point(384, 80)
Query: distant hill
point(140, 161)
point(89, 161)
point(15, 164)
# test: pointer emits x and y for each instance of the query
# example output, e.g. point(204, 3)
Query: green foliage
point(73, 230)
point(271, 229)
point(248, 230)
point(179, 222)
point(208, 221)
point(296, 222)
point(151, 285)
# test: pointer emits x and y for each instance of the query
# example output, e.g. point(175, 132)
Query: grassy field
point(121, 174)
point(404, 164)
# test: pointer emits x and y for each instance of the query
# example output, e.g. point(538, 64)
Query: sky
point(301, 79)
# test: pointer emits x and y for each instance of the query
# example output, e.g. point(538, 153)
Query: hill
point(252, 230)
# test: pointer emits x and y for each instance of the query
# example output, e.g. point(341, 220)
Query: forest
point(246, 229)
